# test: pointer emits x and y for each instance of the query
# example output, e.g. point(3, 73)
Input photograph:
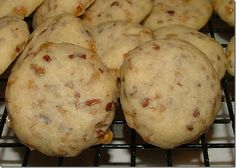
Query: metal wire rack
point(133, 143)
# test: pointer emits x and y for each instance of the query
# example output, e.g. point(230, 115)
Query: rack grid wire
point(134, 144)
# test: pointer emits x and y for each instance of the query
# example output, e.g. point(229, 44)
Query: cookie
point(110, 10)
point(14, 35)
point(225, 10)
point(213, 50)
point(62, 28)
point(191, 13)
point(170, 92)
point(62, 100)
point(19, 8)
point(113, 39)
point(230, 56)
point(51, 8)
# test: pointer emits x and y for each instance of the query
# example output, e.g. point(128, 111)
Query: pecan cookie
point(14, 35)
point(213, 50)
point(192, 13)
point(170, 92)
point(19, 8)
point(110, 10)
point(62, 100)
point(225, 10)
point(51, 8)
point(62, 28)
point(230, 56)
point(113, 39)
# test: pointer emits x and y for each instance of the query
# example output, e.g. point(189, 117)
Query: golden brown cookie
point(62, 100)
point(19, 8)
point(62, 28)
point(225, 10)
point(191, 13)
point(113, 39)
point(56, 7)
point(14, 35)
point(111, 10)
point(230, 56)
point(213, 49)
point(170, 92)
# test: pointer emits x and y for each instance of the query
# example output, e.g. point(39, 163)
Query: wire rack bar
point(2, 122)
point(148, 146)
point(229, 104)
point(60, 161)
point(3, 80)
point(97, 156)
point(26, 157)
point(169, 158)
point(205, 151)
point(133, 148)
point(217, 121)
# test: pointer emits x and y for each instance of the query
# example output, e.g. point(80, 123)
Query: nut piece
point(106, 138)
point(92, 102)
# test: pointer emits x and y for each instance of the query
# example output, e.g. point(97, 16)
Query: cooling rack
point(128, 149)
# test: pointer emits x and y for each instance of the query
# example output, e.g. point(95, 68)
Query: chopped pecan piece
point(172, 13)
point(37, 69)
point(109, 106)
point(82, 56)
point(189, 127)
point(47, 58)
point(92, 102)
point(145, 102)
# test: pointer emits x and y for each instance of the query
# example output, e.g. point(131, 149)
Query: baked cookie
point(110, 10)
point(170, 93)
point(213, 50)
point(14, 35)
point(225, 10)
point(191, 13)
point(62, 28)
point(62, 100)
point(230, 56)
point(51, 8)
point(113, 39)
point(19, 8)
